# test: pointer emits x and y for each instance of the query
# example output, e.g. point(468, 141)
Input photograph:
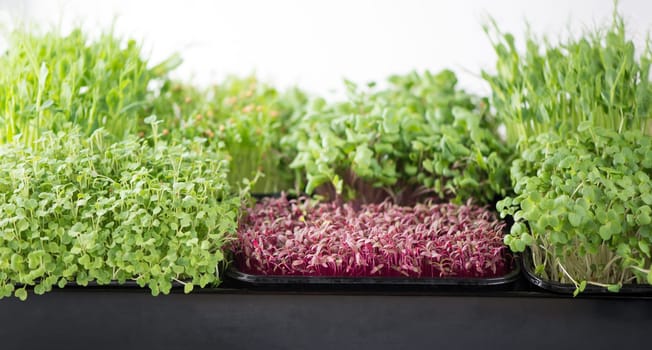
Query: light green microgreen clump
point(77, 209)
point(50, 80)
point(241, 116)
point(420, 137)
point(583, 205)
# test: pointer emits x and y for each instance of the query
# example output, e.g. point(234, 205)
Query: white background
point(314, 44)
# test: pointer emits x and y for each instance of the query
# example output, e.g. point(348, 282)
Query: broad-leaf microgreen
point(421, 136)
point(583, 207)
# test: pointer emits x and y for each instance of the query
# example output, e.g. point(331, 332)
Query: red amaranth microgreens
point(303, 237)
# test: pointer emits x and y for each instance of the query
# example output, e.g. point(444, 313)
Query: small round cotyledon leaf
point(21, 294)
point(575, 219)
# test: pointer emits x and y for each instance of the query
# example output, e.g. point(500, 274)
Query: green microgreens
point(50, 80)
point(596, 78)
point(421, 136)
point(76, 209)
point(579, 114)
point(583, 206)
point(243, 117)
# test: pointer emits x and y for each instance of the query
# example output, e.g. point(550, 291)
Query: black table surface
point(240, 317)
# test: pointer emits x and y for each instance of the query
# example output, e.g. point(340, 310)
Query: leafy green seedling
point(419, 137)
point(592, 215)
point(50, 80)
point(241, 116)
point(76, 209)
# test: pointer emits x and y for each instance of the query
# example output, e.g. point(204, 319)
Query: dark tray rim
point(508, 278)
point(569, 288)
point(116, 284)
point(128, 284)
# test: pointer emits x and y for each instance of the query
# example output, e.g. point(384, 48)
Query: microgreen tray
point(272, 280)
point(569, 288)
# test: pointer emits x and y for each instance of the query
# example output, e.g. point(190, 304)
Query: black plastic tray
point(129, 284)
point(283, 280)
point(279, 280)
point(116, 284)
point(569, 288)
